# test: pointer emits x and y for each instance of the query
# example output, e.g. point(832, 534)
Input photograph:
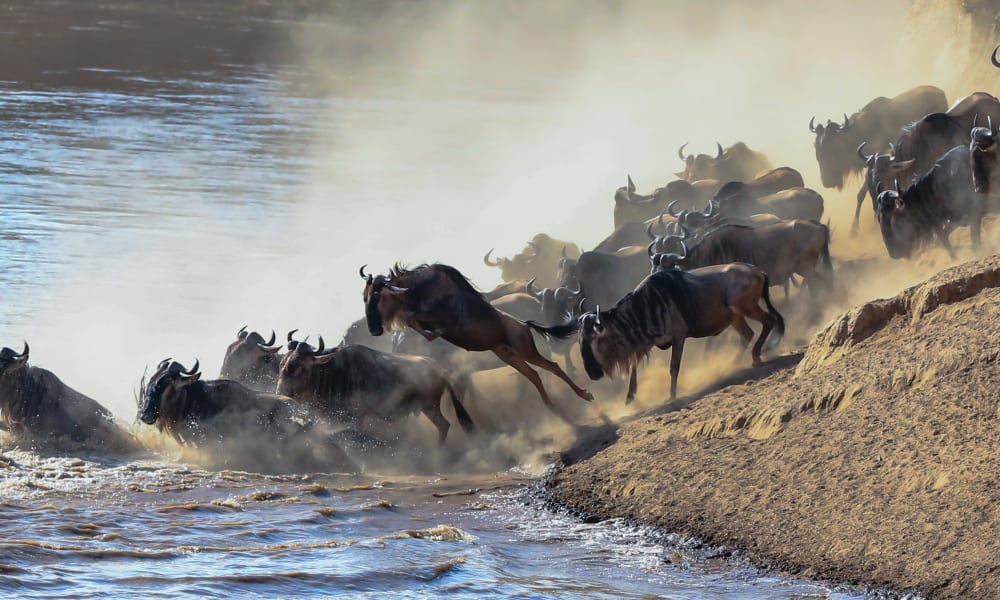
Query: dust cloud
point(444, 129)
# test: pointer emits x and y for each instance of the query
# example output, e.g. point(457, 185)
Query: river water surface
point(158, 187)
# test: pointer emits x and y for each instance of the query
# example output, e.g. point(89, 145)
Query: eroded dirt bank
point(874, 460)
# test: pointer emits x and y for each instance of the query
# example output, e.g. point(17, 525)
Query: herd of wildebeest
point(689, 260)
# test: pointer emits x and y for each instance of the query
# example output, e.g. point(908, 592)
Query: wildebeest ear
point(898, 202)
point(292, 345)
point(323, 359)
point(680, 175)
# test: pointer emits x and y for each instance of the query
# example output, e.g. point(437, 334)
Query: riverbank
point(869, 459)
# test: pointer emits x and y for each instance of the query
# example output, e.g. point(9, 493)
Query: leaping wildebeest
point(252, 361)
point(669, 307)
point(36, 405)
point(260, 429)
point(937, 202)
point(439, 302)
point(352, 384)
point(736, 163)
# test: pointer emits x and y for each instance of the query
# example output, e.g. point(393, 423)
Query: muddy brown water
point(169, 131)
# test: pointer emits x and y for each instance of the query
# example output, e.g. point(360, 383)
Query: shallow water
point(90, 527)
point(156, 169)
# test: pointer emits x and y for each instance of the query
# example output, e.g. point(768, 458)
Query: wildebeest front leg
point(511, 357)
point(942, 234)
point(633, 386)
point(676, 351)
point(857, 211)
point(976, 229)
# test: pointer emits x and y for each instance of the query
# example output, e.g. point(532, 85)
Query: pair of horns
point(680, 152)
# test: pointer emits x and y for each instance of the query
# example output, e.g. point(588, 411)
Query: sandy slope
point(873, 460)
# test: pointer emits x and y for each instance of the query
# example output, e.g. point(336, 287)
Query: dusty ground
point(869, 459)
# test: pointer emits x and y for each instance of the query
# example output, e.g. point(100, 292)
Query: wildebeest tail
point(779, 325)
point(463, 416)
point(559, 332)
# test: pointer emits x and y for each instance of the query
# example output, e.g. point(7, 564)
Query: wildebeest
point(604, 278)
point(439, 302)
point(983, 156)
point(557, 305)
point(628, 234)
point(357, 334)
point(793, 247)
point(925, 141)
point(631, 207)
point(506, 288)
point(937, 202)
point(669, 307)
point(537, 261)
point(737, 200)
point(252, 361)
point(352, 384)
point(736, 163)
point(878, 123)
point(36, 405)
point(258, 429)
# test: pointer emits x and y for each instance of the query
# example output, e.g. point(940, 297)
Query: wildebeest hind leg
point(512, 358)
point(527, 351)
point(676, 351)
point(437, 417)
point(857, 210)
point(741, 327)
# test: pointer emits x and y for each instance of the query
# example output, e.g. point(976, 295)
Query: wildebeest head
point(661, 261)
point(10, 360)
point(382, 302)
point(883, 167)
point(983, 152)
point(899, 233)
point(247, 357)
point(604, 350)
point(557, 303)
point(294, 374)
point(167, 386)
point(698, 166)
point(624, 193)
point(591, 333)
point(833, 149)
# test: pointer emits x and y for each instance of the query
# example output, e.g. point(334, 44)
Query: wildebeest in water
point(36, 405)
point(241, 426)
point(669, 307)
point(439, 302)
point(352, 384)
point(252, 361)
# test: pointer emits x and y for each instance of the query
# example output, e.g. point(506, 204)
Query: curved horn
point(684, 251)
point(861, 154)
point(975, 120)
point(24, 353)
point(242, 333)
point(847, 122)
point(362, 271)
point(631, 186)
point(597, 315)
point(563, 252)
point(670, 208)
point(710, 208)
point(649, 232)
point(486, 260)
point(812, 126)
point(534, 247)
point(719, 154)
point(265, 345)
point(684, 233)
point(579, 290)
point(892, 148)
point(290, 334)
point(163, 364)
point(529, 287)
point(680, 152)
point(192, 370)
point(398, 290)
point(993, 58)
point(321, 346)
point(651, 248)
point(989, 122)
point(898, 191)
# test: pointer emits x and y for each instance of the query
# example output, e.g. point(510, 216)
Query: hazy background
point(172, 171)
